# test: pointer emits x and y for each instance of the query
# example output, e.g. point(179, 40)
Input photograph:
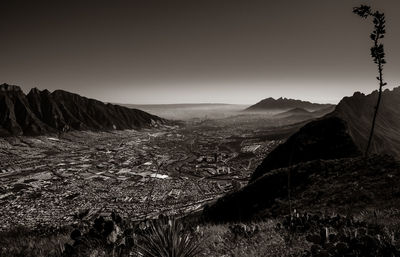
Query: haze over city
point(155, 52)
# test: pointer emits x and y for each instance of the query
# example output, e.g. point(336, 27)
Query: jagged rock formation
point(332, 185)
point(46, 109)
point(16, 116)
point(42, 112)
point(285, 104)
point(342, 133)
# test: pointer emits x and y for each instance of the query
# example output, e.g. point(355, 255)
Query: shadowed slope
point(357, 111)
point(16, 116)
point(333, 185)
point(318, 150)
point(342, 133)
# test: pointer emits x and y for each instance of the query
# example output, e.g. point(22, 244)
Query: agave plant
point(168, 238)
point(377, 53)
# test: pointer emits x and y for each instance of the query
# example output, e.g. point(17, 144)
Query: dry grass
point(21, 242)
point(261, 238)
point(220, 240)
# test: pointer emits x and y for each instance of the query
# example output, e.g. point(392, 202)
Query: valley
point(49, 180)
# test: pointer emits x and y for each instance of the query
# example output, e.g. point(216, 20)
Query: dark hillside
point(342, 133)
point(343, 185)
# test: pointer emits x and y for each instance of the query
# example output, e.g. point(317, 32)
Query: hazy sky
point(195, 51)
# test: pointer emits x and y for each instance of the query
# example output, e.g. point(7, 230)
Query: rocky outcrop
point(42, 112)
point(16, 116)
point(46, 109)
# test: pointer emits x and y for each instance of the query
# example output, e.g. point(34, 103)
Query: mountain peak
point(9, 88)
point(283, 103)
point(42, 112)
point(342, 133)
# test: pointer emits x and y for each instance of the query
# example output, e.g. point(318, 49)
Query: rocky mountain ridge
point(40, 112)
point(285, 104)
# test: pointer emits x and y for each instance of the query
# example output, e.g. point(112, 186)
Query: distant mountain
point(342, 133)
point(324, 111)
point(300, 114)
point(297, 114)
point(293, 112)
point(16, 115)
point(42, 112)
point(324, 160)
point(285, 104)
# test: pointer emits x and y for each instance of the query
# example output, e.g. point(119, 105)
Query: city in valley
point(174, 169)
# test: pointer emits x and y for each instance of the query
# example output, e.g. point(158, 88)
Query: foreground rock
point(42, 112)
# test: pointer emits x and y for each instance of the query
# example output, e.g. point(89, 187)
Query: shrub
point(168, 238)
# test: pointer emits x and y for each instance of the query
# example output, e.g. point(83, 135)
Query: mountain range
point(303, 114)
point(341, 135)
point(285, 104)
point(41, 112)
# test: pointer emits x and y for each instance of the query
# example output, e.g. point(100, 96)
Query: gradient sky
point(151, 52)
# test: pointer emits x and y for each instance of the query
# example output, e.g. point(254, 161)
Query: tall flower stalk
point(378, 55)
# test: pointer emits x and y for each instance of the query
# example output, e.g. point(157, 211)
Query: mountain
point(300, 114)
point(285, 104)
point(294, 112)
point(16, 115)
point(325, 164)
point(325, 138)
point(342, 133)
point(45, 107)
point(42, 112)
point(358, 111)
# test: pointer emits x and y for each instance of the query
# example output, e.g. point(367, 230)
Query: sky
point(195, 51)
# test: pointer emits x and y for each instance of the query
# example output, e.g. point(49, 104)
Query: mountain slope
point(342, 133)
point(358, 111)
point(46, 109)
point(285, 104)
point(326, 138)
point(325, 171)
point(294, 112)
point(16, 116)
point(334, 185)
point(43, 112)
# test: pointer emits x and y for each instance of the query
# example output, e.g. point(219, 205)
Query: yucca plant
point(168, 238)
